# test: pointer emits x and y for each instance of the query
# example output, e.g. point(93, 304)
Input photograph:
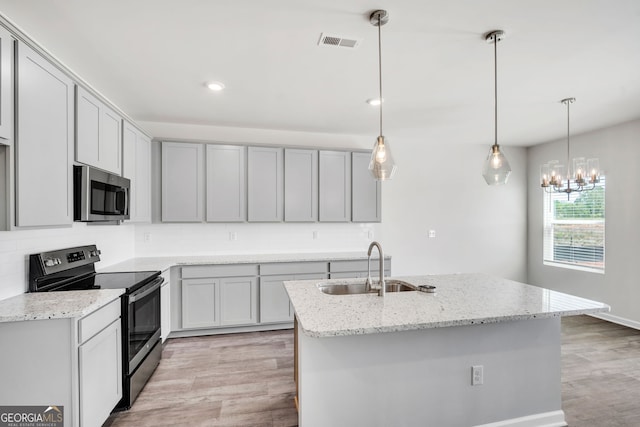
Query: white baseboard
point(545, 419)
point(619, 320)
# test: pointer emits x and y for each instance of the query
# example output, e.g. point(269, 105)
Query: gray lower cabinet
point(357, 268)
point(218, 295)
point(44, 144)
point(83, 372)
point(182, 182)
point(366, 204)
point(300, 185)
point(334, 186)
point(274, 301)
point(265, 184)
point(226, 185)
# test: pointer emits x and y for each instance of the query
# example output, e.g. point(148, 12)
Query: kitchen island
point(481, 351)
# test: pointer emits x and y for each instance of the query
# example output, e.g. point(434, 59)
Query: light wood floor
point(247, 380)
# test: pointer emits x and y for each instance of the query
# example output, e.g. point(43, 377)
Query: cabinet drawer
point(230, 270)
point(293, 268)
point(93, 323)
point(357, 265)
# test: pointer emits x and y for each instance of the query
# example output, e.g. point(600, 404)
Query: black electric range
point(73, 269)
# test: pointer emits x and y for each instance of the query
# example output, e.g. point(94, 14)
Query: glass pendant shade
point(496, 168)
point(593, 166)
point(381, 165)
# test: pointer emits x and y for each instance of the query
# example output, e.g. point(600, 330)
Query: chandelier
point(584, 175)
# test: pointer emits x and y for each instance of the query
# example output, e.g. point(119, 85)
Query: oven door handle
point(153, 286)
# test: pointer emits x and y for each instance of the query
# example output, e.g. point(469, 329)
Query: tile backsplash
point(115, 242)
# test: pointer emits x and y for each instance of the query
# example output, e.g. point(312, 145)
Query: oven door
point(143, 329)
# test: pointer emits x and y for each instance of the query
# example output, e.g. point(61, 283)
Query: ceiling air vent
point(337, 41)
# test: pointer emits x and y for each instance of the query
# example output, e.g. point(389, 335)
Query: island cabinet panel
point(44, 144)
point(136, 166)
point(6, 85)
point(183, 182)
point(300, 185)
point(200, 301)
point(265, 184)
point(98, 133)
point(366, 195)
point(226, 183)
point(334, 186)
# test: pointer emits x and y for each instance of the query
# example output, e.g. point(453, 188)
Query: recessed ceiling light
point(374, 101)
point(215, 86)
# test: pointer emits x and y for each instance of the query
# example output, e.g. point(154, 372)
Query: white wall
point(618, 149)
point(115, 242)
point(479, 228)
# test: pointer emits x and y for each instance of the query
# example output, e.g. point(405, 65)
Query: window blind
point(574, 228)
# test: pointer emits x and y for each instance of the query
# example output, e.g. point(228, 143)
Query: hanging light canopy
point(496, 168)
point(584, 175)
point(381, 165)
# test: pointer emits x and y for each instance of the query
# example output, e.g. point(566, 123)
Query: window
point(574, 229)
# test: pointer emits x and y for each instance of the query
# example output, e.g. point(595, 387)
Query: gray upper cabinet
point(44, 145)
point(182, 182)
point(98, 133)
point(136, 165)
point(6, 84)
point(226, 186)
point(300, 185)
point(265, 184)
point(365, 191)
point(335, 186)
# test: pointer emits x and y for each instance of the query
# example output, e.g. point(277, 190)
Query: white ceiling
point(153, 57)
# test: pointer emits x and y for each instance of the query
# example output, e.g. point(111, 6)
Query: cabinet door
point(98, 133)
point(136, 165)
point(6, 84)
point(182, 182)
point(199, 303)
point(44, 147)
point(238, 301)
point(100, 362)
point(110, 150)
point(274, 301)
point(226, 189)
point(365, 191)
point(300, 185)
point(335, 186)
point(265, 176)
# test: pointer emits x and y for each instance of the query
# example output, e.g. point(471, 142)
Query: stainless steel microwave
point(99, 196)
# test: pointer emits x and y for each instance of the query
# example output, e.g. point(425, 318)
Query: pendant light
point(381, 165)
point(578, 179)
point(496, 168)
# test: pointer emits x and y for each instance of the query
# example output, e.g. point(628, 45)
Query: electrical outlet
point(315, 235)
point(370, 235)
point(432, 234)
point(146, 236)
point(233, 236)
point(477, 375)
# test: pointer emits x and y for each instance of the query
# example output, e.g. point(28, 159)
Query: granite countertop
point(460, 299)
point(55, 305)
point(165, 262)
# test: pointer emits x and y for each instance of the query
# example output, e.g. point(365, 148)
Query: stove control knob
point(49, 262)
point(57, 261)
point(94, 253)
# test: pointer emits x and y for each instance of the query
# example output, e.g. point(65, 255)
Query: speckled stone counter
point(460, 299)
point(55, 305)
point(165, 262)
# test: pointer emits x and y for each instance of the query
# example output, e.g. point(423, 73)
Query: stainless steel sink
point(361, 288)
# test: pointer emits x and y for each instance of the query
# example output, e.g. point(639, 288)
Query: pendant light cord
point(380, 66)
point(568, 142)
point(495, 87)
